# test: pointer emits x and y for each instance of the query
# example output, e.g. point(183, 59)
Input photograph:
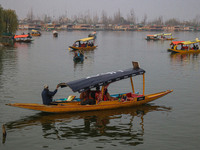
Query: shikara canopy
point(159, 34)
point(186, 42)
point(34, 30)
point(21, 36)
point(86, 39)
point(163, 34)
point(176, 42)
point(151, 35)
point(167, 34)
point(102, 79)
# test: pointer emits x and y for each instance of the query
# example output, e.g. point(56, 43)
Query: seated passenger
point(75, 54)
point(97, 93)
point(107, 96)
point(74, 44)
point(194, 47)
point(197, 47)
point(87, 98)
point(83, 45)
point(84, 96)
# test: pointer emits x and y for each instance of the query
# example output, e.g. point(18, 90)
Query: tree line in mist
point(116, 18)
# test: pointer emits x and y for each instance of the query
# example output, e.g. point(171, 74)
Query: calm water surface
point(171, 122)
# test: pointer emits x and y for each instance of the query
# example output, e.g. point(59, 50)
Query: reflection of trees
point(114, 125)
point(8, 58)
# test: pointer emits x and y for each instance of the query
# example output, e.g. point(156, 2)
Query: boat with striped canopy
point(185, 46)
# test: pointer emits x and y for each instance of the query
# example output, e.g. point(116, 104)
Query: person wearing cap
point(47, 95)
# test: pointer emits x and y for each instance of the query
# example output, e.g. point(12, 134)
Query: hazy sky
point(179, 9)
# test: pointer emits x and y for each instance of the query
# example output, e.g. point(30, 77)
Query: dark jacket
point(47, 96)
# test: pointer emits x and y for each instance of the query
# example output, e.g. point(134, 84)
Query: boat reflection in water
point(184, 58)
point(22, 45)
point(114, 125)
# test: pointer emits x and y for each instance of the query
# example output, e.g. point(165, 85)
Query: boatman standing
point(47, 95)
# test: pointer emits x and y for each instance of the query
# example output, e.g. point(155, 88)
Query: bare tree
point(104, 18)
point(131, 17)
point(95, 19)
point(30, 15)
point(158, 21)
point(88, 17)
point(117, 17)
point(196, 20)
point(75, 19)
point(172, 22)
point(144, 20)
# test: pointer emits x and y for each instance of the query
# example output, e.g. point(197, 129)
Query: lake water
point(171, 122)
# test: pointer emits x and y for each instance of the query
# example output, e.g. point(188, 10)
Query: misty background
point(183, 10)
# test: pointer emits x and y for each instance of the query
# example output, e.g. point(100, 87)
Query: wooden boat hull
point(83, 48)
point(35, 34)
point(170, 39)
point(102, 105)
point(55, 34)
point(184, 51)
point(152, 39)
point(23, 41)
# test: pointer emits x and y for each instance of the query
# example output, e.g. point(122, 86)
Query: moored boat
point(27, 38)
point(93, 34)
point(84, 44)
point(127, 99)
point(185, 46)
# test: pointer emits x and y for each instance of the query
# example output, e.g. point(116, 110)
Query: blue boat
point(78, 56)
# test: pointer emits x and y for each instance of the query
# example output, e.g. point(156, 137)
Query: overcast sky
point(179, 9)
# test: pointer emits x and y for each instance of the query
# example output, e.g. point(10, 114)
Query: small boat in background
point(84, 44)
point(185, 46)
point(26, 38)
point(78, 56)
point(55, 33)
point(160, 36)
point(93, 34)
point(35, 33)
point(152, 37)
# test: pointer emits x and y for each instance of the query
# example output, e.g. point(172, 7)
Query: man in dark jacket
point(48, 95)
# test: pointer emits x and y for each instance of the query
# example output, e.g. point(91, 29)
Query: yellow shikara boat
point(35, 33)
point(123, 100)
point(185, 46)
point(84, 44)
